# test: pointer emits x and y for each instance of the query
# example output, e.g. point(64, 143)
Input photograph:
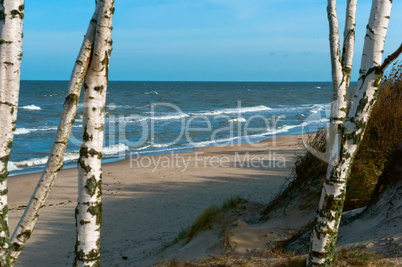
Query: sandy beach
point(148, 200)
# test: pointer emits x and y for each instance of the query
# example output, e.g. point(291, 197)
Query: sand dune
point(145, 207)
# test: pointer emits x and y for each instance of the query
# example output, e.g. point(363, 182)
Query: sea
point(144, 118)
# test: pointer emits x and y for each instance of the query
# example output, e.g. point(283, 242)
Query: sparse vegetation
point(351, 256)
point(358, 256)
point(384, 132)
point(205, 221)
point(304, 189)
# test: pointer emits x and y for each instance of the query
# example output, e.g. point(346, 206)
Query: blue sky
point(196, 40)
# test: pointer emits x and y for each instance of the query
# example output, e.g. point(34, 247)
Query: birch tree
point(326, 224)
point(341, 71)
point(55, 161)
point(89, 206)
point(11, 24)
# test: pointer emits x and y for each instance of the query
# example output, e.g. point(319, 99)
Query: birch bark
point(11, 24)
point(341, 71)
point(325, 229)
point(338, 105)
point(89, 206)
point(349, 41)
point(55, 162)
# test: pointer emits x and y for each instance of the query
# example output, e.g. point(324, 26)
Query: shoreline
point(107, 160)
point(145, 207)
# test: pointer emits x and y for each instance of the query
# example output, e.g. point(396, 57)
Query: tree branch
point(389, 59)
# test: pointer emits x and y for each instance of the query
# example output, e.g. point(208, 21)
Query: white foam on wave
point(159, 145)
point(20, 131)
point(69, 156)
point(319, 107)
point(113, 106)
point(286, 109)
point(170, 117)
point(222, 141)
point(30, 162)
point(286, 128)
point(139, 118)
point(283, 129)
point(152, 146)
point(233, 110)
point(238, 120)
point(115, 149)
point(11, 167)
point(31, 107)
point(151, 93)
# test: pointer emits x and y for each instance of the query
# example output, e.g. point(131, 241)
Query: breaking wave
point(31, 107)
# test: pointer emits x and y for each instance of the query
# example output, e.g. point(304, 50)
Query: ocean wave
point(158, 145)
point(286, 128)
point(152, 146)
point(31, 107)
point(11, 167)
point(51, 95)
point(68, 157)
point(169, 117)
point(283, 129)
point(242, 139)
point(233, 110)
point(151, 93)
point(319, 107)
point(113, 106)
point(238, 120)
point(20, 131)
point(30, 162)
point(215, 142)
point(139, 118)
point(286, 109)
point(115, 149)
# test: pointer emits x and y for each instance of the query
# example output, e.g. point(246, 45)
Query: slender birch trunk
point(11, 24)
point(338, 105)
point(55, 162)
point(325, 229)
point(341, 71)
point(89, 206)
point(348, 41)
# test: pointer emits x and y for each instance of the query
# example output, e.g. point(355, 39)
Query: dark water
point(158, 117)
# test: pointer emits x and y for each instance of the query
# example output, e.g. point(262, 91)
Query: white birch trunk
point(89, 206)
point(11, 24)
point(341, 71)
point(338, 105)
point(325, 229)
point(349, 40)
point(55, 162)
